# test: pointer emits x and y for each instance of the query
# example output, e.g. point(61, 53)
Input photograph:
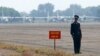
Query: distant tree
point(34, 13)
point(58, 12)
point(74, 9)
point(8, 12)
point(91, 11)
point(24, 14)
point(43, 10)
point(49, 8)
point(98, 11)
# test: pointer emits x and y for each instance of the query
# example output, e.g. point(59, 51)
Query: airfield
point(36, 35)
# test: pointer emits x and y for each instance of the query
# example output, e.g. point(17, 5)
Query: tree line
point(48, 9)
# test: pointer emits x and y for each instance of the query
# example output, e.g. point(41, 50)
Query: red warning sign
point(54, 34)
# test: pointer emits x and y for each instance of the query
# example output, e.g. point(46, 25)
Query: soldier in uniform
point(76, 34)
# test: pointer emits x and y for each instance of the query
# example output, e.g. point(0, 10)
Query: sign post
point(54, 44)
point(54, 35)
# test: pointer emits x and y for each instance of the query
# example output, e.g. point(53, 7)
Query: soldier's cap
point(76, 16)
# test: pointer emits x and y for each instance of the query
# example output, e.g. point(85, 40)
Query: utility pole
point(1, 10)
point(2, 13)
point(48, 16)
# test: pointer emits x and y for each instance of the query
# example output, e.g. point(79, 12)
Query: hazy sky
point(28, 5)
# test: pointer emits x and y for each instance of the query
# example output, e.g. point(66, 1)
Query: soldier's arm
point(80, 30)
point(71, 30)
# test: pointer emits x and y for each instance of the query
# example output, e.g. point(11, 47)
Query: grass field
point(36, 36)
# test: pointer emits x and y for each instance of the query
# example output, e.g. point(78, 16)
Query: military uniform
point(76, 35)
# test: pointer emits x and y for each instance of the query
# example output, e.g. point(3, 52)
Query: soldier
point(76, 34)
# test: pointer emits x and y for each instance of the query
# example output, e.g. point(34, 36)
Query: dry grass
point(28, 51)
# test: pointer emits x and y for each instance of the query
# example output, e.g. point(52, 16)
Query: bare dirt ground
point(37, 35)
